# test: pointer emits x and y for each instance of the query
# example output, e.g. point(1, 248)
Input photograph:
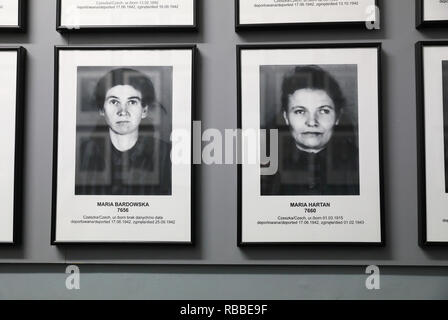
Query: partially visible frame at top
point(435, 18)
point(12, 81)
point(369, 17)
point(432, 141)
point(83, 15)
point(13, 15)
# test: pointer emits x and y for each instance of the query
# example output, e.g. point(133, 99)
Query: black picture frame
point(421, 147)
point(19, 144)
point(420, 22)
point(342, 24)
point(22, 14)
point(57, 50)
point(242, 244)
point(136, 28)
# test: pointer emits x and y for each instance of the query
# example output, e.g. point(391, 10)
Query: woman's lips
point(312, 133)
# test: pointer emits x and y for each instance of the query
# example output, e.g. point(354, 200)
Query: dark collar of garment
point(332, 171)
point(303, 157)
point(135, 155)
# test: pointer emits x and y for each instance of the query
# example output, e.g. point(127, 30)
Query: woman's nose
point(312, 121)
point(122, 110)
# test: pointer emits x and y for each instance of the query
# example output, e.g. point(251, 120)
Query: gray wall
point(216, 211)
point(208, 282)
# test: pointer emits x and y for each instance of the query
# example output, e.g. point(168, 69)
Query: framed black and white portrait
point(12, 15)
point(302, 13)
point(122, 145)
point(431, 13)
point(78, 15)
point(432, 122)
point(310, 169)
point(12, 73)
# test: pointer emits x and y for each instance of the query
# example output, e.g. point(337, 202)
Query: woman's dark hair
point(125, 76)
point(312, 77)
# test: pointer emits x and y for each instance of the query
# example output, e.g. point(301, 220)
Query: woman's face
point(311, 117)
point(123, 109)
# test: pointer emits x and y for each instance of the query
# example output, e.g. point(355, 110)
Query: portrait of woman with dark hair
point(121, 159)
point(318, 152)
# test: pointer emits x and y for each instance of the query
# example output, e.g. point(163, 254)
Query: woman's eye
point(132, 102)
point(325, 111)
point(113, 102)
point(299, 111)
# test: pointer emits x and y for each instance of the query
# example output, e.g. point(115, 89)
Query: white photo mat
point(436, 197)
point(173, 208)
point(9, 13)
point(435, 10)
point(8, 91)
point(303, 11)
point(79, 13)
point(366, 207)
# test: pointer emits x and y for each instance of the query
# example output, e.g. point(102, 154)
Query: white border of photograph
point(365, 210)
point(272, 13)
point(11, 144)
point(12, 14)
point(74, 15)
point(431, 13)
point(68, 207)
point(433, 199)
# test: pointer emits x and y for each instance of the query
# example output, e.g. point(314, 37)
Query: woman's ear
point(339, 116)
point(285, 117)
point(145, 112)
